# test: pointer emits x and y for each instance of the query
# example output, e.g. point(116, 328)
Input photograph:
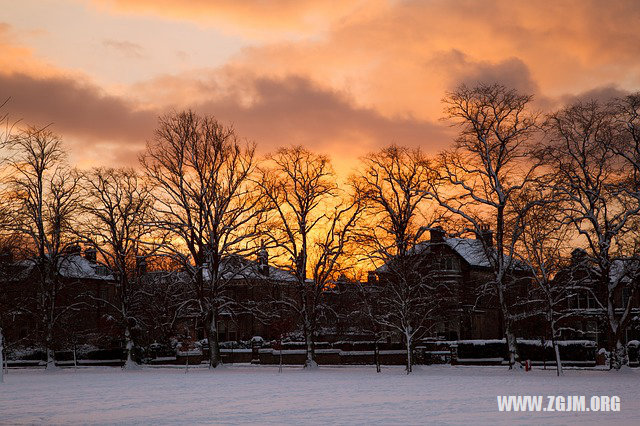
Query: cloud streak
point(126, 48)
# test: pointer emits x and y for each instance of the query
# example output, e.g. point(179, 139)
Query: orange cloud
point(19, 58)
point(292, 109)
point(400, 58)
point(342, 77)
point(253, 18)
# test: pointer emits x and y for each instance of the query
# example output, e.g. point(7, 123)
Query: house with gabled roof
point(80, 279)
point(251, 283)
point(464, 267)
point(586, 305)
point(248, 284)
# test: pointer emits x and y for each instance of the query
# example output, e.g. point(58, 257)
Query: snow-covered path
point(259, 394)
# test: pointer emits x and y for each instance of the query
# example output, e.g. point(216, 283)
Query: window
point(591, 330)
point(103, 292)
point(573, 302)
point(101, 270)
point(448, 264)
point(625, 297)
point(583, 300)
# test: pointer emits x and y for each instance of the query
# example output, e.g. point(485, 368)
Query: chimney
point(485, 234)
point(91, 255)
point(6, 256)
point(73, 249)
point(141, 265)
point(436, 234)
point(263, 260)
point(578, 256)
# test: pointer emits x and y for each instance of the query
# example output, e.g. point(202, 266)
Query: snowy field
point(334, 395)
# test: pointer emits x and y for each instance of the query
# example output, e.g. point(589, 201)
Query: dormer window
point(101, 270)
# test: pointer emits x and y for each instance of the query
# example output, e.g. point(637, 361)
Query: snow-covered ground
point(342, 395)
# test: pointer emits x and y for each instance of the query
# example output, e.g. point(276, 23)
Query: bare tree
point(5, 135)
point(627, 112)
point(44, 200)
point(6, 125)
point(364, 313)
point(593, 176)
point(117, 207)
point(1, 357)
point(491, 163)
point(207, 203)
point(164, 291)
point(542, 249)
point(310, 227)
point(393, 184)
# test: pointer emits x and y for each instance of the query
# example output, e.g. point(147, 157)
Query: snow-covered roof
point(74, 266)
point(471, 250)
point(238, 267)
point(624, 270)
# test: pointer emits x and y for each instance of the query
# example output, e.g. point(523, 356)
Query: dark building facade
point(82, 292)
point(586, 305)
point(461, 265)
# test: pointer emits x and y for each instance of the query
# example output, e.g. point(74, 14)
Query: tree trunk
point(554, 341)
point(618, 357)
point(310, 362)
point(512, 346)
point(51, 362)
point(129, 363)
point(1, 357)
point(556, 350)
point(75, 355)
point(502, 288)
point(409, 360)
point(376, 356)
point(214, 342)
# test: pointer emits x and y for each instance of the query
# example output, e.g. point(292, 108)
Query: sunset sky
point(341, 77)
